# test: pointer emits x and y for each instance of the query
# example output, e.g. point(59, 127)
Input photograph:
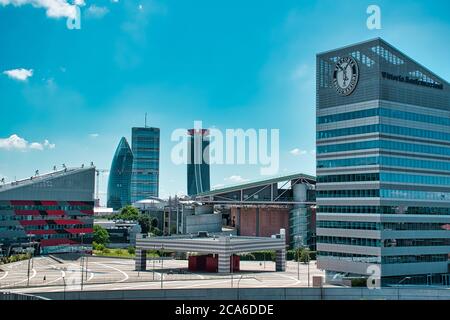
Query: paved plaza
point(47, 274)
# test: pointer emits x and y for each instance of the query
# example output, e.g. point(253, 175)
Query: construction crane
point(97, 173)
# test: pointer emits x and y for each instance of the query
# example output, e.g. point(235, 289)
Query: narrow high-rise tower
point(145, 176)
point(198, 161)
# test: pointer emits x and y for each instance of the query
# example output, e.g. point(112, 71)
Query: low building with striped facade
point(52, 213)
point(223, 246)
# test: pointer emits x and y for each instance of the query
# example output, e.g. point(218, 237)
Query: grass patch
point(122, 253)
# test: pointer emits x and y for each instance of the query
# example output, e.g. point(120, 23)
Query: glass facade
point(145, 172)
point(383, 167)
point(198, 180)
point(119, 182)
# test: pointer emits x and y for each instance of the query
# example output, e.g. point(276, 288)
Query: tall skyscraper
point(383, 166)
point(119, 182)
point(198, 162)
point(145, 176)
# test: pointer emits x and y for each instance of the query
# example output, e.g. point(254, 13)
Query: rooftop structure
point(224, 246)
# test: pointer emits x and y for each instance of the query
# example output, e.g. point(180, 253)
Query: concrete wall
point(259, 294)
point(267, 222)
point(202, 222)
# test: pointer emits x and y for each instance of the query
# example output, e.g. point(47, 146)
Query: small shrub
point(359, 282)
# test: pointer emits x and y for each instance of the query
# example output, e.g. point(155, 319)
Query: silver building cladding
point(383, 165)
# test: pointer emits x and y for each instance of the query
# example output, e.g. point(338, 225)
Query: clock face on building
point(345, 75)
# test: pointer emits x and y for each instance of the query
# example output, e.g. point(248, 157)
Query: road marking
point(26, 279)
point(111, 267)
point(63, 274)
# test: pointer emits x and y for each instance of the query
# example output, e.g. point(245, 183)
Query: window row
point(384, 112)
point(58, 226)
point(350, 256)
point(415, 258)
point(383, 243)
point(412, 178)
point(384, 128)
point(365, 242)
point(385, 259)
point(399, 226)
point(415, 195)
point(385, 193)
point(384, 144)
point(384, 210)
point(385, 177)
point(46, 208)
point(386, 161)
point(349, 177)
point(348, 193)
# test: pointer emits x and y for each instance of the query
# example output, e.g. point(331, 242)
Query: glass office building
point(119, 182)
point(383, 166)
point(145, 175)
point(198, 162)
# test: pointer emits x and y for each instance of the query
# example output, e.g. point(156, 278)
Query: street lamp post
point(264, 260)
point(153, 260)
point(232, 280)
point(64, 280)
point(297, 237)
point(162, 266)
point(29, 259)
point(82, 259)
point(308, 268)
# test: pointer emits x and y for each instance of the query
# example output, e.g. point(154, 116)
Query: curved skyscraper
point(120, 176)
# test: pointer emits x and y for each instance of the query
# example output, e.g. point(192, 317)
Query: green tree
point(101, 235)
point(128, 213)
point(305, 256)
point(156, 232)
point(145, 222)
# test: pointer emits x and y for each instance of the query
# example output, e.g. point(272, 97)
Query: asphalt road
point(104, 273)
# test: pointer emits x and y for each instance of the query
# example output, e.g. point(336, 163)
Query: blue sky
point(230, 64)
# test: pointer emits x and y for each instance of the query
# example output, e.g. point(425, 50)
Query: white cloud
point(236, 179)
point(217, 186)
point(19, 74)
point(298, 152)
point(54, 8)
point(49, 145)
point(96, 12)
point(14, 142)
point(36, 146)
point(93, 135)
